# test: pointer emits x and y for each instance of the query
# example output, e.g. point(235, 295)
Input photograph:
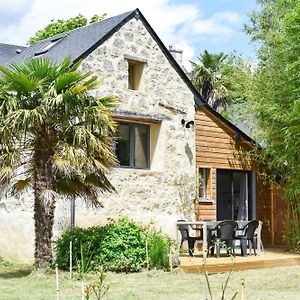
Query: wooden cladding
point(216, 146)
point(205, 211)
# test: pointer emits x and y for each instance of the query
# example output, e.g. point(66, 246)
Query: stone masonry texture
point(160, 194)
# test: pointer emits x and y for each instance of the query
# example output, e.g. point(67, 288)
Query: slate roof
point(7, 52)
point(76, 42)
point(80, 42)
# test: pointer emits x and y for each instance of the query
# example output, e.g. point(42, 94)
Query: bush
point(119, 246)
point(123, 248)
point(85, 244)
point(159, 247)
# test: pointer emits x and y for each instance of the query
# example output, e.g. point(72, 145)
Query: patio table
point(206, 225)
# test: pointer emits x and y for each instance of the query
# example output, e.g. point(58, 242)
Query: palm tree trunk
point(44, 202)
point(44, 220)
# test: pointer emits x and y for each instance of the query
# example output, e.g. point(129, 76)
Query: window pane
point(202, 183)
point(141, 146)
point(123, 145)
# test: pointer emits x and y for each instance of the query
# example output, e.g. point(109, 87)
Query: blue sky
point(192, 25)
point(238, 40)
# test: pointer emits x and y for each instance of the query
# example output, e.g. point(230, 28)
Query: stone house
point(172, 147)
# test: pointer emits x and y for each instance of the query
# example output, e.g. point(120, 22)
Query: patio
point(272, 257)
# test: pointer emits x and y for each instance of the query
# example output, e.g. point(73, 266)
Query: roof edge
point(199, 101)
point(231, 125)
point(197, 97)
point(105, 37)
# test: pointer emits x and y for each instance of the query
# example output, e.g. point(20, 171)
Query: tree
point(60, 26)
point(275, 92)
point(55, 138)
point(205, 76)
point(220, 79)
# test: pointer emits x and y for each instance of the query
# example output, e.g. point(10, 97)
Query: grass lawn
point(19, 282)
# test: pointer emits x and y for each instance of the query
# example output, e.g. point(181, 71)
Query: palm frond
point(49, 107)
point(5, 175)
point(64, 66)
point(21, 185)
point(23, 119)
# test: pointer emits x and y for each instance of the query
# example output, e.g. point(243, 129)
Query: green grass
point(22, 283)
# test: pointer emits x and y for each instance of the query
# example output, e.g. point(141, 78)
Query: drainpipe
point(72, 212)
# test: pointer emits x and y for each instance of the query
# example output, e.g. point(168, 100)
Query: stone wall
point(160, 194)
point(156, 194)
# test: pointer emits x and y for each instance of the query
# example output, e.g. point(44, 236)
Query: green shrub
point(119, 246)
point(85, 244)
point(123, 248)
point(159, 247)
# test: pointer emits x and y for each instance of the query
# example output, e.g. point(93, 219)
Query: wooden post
point(71, 263)
point(242, 289)
point(57, 282)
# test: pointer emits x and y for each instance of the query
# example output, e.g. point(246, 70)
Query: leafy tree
point(55, 138)
point(205, 76)
point(275, 92)
point(220, 78)
point(60, 26)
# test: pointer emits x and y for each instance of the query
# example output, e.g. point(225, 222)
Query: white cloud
point(221, 26)
point(178, 24)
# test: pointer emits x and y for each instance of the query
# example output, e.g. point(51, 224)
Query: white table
point(206, 224)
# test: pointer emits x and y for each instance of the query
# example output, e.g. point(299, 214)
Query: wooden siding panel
point(280, 213)
point(264, 209)
point(216, 147)
point(205, 211)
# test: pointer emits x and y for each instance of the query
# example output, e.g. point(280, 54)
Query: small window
point(48, 46)
point(135, 72)
point(133, 145)
point(204, 175)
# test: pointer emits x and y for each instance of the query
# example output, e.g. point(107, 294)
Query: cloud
point(221, 26)
point(177, 24)
point(11, 11)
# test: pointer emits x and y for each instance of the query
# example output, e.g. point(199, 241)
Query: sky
point(189, 25)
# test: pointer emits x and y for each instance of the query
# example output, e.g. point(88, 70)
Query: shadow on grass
point(10, 273)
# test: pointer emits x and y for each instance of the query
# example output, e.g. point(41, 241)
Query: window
point(49, 46)
point(135, 72)
point(133, 145)
point(204, 175)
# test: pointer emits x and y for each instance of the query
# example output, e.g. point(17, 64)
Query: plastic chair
point(185, 236)
point(224, 233)
point(248, 234)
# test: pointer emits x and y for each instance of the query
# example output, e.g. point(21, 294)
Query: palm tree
point(206, 77)
point(55, 138)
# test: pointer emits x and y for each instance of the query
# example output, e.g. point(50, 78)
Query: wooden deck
point(274, 257)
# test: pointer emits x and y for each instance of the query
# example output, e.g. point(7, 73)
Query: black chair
point(248, 234)
point(211, 235)
point(224, 232)
point(185, 236)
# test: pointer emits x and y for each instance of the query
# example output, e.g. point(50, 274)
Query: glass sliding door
point(234, 199)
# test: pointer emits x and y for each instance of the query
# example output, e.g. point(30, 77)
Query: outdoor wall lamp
point(187, 124)
point(237, 137)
